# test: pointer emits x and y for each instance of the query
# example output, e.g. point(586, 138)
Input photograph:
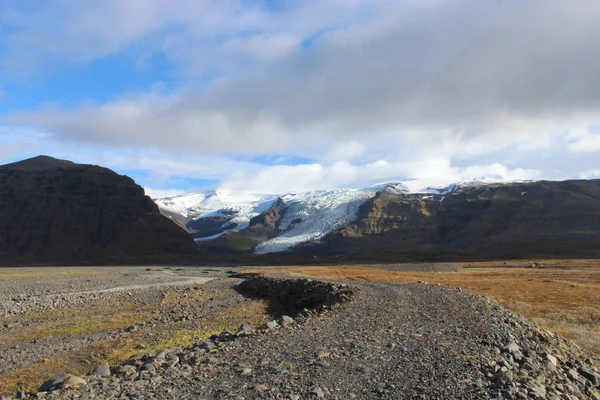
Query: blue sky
point(289, 95)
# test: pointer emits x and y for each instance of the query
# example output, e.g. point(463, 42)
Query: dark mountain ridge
point(543, 219)
point(515, 220)
point(57, 211)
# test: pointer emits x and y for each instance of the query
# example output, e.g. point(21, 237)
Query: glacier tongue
point(312, 215)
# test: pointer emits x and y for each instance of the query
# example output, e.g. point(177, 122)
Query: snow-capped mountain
point(308, 216)
point(238, 207)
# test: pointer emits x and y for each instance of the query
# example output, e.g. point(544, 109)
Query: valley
point(85, 317)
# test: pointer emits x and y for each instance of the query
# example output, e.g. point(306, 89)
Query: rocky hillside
point(56, 211)
point(475, 221)
point(535, 219)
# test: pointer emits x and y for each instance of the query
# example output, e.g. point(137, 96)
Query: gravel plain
point(350, 340)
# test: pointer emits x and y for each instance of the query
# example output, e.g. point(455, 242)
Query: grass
point(76, 326)
point(113, 314)
point(18, 273)
point(563, 296)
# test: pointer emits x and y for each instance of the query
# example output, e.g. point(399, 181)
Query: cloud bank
point(370, 90)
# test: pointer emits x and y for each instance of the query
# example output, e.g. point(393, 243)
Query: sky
point(290, 95)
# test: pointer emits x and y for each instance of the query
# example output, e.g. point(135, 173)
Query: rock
point(62, 381)
point(208, 345)
point(538, 391)
point(552, 359)
point(590, 375)
point(286, 321)
point(74, 381)
point(260, 388)
point(225, 336)
point(512, 347)
point(572, 374)
point(101, 370)
point(127, 370)
point(245, 330)
point(317, 391)
point(273, 325)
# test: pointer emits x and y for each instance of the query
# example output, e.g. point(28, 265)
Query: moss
point(232, 241)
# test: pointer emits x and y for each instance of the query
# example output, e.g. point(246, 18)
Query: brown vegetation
point(561, 295)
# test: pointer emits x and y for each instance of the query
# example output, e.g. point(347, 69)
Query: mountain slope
point(531, 219)
point(61, 212)
point(214, 212)
point(465, 220)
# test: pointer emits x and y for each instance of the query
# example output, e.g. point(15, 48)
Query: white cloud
point(588, 143)
point(507, 76)
point(420, 173)
point(346, 151)
point(160, 193)
point(386, 89)
point(591, 174)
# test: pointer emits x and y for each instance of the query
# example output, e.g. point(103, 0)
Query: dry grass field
point(74, 338)
point(561, 295)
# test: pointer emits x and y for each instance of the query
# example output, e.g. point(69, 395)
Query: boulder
point(62, 381)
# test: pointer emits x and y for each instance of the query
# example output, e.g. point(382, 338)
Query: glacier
point(309, 215)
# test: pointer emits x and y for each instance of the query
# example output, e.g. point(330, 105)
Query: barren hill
point(56, 211)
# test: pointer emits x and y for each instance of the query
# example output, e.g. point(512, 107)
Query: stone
point(512, 347)
point(317, 391)
point(225, 336)
point(538, 391)
point(260, 388)
point(286, 321)
point(101, 370)
point(273, 325)
point(62, 381)
point(208, 345)
point(552, 359)
point(590, 375)
point(572, 374)
point(245, 330)
point(127, 370)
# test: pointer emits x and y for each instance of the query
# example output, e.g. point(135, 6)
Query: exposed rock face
point(58, 211)
point(495, 221)
point(262, 227)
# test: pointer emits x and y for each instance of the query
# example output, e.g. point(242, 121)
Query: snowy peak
point(196, 205)
point(307, 216)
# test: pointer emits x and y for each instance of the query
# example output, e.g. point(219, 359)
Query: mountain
point(208, 214)
point(222, 216)
point(56, 211)
point(465, 220)
point(494, 221)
